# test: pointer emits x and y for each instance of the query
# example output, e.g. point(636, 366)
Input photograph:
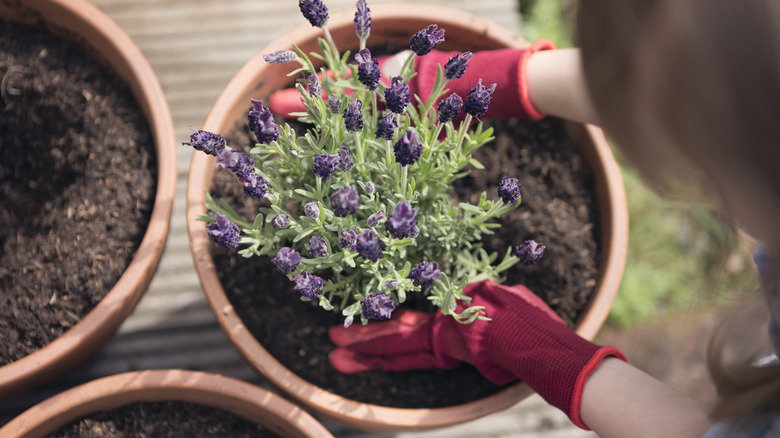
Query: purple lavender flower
point(237, 161)
point(348, 239)
point(374, 219)
point(207, 142)
point(509, 190)
point(362, 20)
point(312, 210)
point(334, 104)
point(224, 232)
point(408, 148)
point(369, 188)
point(324, 165)
point(368, 69)
point(377, 306)
point(391, 284)
point(478, 99)
point(282, 221)
point(530, 252)
point(262, 123)
point(425, 40)
point(370, 246)
point(424, 274)
point(309, 285)
point(315, 11)
point(400, 222)
point(318, 247)
point(254, 185)
point(345, 159)
point(449, 108)
point(397, 95)
point(286, 260)
point(386, 126)
point(456, 66)
point(280, 57)
point(353, 117)
point(344, 201)
point(315, 89)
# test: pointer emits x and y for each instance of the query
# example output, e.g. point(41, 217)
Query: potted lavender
point(355, 209)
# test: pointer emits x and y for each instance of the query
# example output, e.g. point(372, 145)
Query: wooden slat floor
point(195, 46)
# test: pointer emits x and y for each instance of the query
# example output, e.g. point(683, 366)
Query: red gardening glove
point(524, 340)
point(504, 67)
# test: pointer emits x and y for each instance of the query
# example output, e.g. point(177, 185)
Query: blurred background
point(686, 266)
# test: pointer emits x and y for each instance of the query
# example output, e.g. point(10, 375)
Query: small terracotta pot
point(395, 24)
point(80, 21)
point(238, 397)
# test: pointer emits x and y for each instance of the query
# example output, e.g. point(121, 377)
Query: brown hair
point(690, 92)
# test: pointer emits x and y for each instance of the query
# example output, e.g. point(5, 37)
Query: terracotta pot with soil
point(573, 201)
point(165, 403)
point(87, 181)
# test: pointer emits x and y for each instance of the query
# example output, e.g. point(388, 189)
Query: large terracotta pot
point(238, 397)
point(82, 22)
point(394, 23)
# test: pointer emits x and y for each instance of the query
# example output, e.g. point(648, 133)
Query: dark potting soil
point(77, 182)
point(164, 419)
point(559, 209)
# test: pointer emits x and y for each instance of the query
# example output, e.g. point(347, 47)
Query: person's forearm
point(622, 401)
point(557, 87)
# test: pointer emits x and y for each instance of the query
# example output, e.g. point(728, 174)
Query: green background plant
point(682, 256)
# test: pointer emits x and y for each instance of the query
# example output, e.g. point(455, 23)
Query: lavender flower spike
point(286, 260)
point(449, 108)
point(318, 247)
point(425, 40)
point(368, 69)
point(530, 252)
point(348, 239)
point(324, 165)
point(309, 285)
point(456, 66)
point(282, 221)
point(370, 246)
point(377, 306)
point(397, 95)
point(478, 99)
point(315, 89)
point(312, 210)
point(362, 20)
point(334, 104)
point(315, 11)
point(400, 222)
point(386, 126)
point(374, 219)
point(345, 159)
point(424, 274)
point(262, 123)
point(280, 57)
point(509, 190)
point(353, 117)
point(254, 185)
point(239, 162)
point(408, 148)
point(344, 201)
point(224, 232)
point(207, 142)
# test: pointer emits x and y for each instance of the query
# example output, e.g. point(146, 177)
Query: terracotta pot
point(238, 397)
point(80, 21)
point(394, 23)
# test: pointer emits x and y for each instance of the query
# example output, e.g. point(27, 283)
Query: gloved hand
point(524, 340)
point(504, 67)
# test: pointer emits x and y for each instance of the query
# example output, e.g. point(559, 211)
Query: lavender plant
point(373, 218)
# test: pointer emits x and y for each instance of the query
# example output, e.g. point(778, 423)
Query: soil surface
point(164, 419)
point(558, 209)
point(77, 184)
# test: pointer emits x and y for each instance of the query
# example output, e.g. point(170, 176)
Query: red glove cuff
point(504, 67)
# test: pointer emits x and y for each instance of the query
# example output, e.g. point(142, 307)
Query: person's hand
point(504, 67)
point(525, 339)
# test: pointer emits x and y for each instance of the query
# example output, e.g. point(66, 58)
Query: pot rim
point(362, 415)
point(85, 22)
point(236, 396)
